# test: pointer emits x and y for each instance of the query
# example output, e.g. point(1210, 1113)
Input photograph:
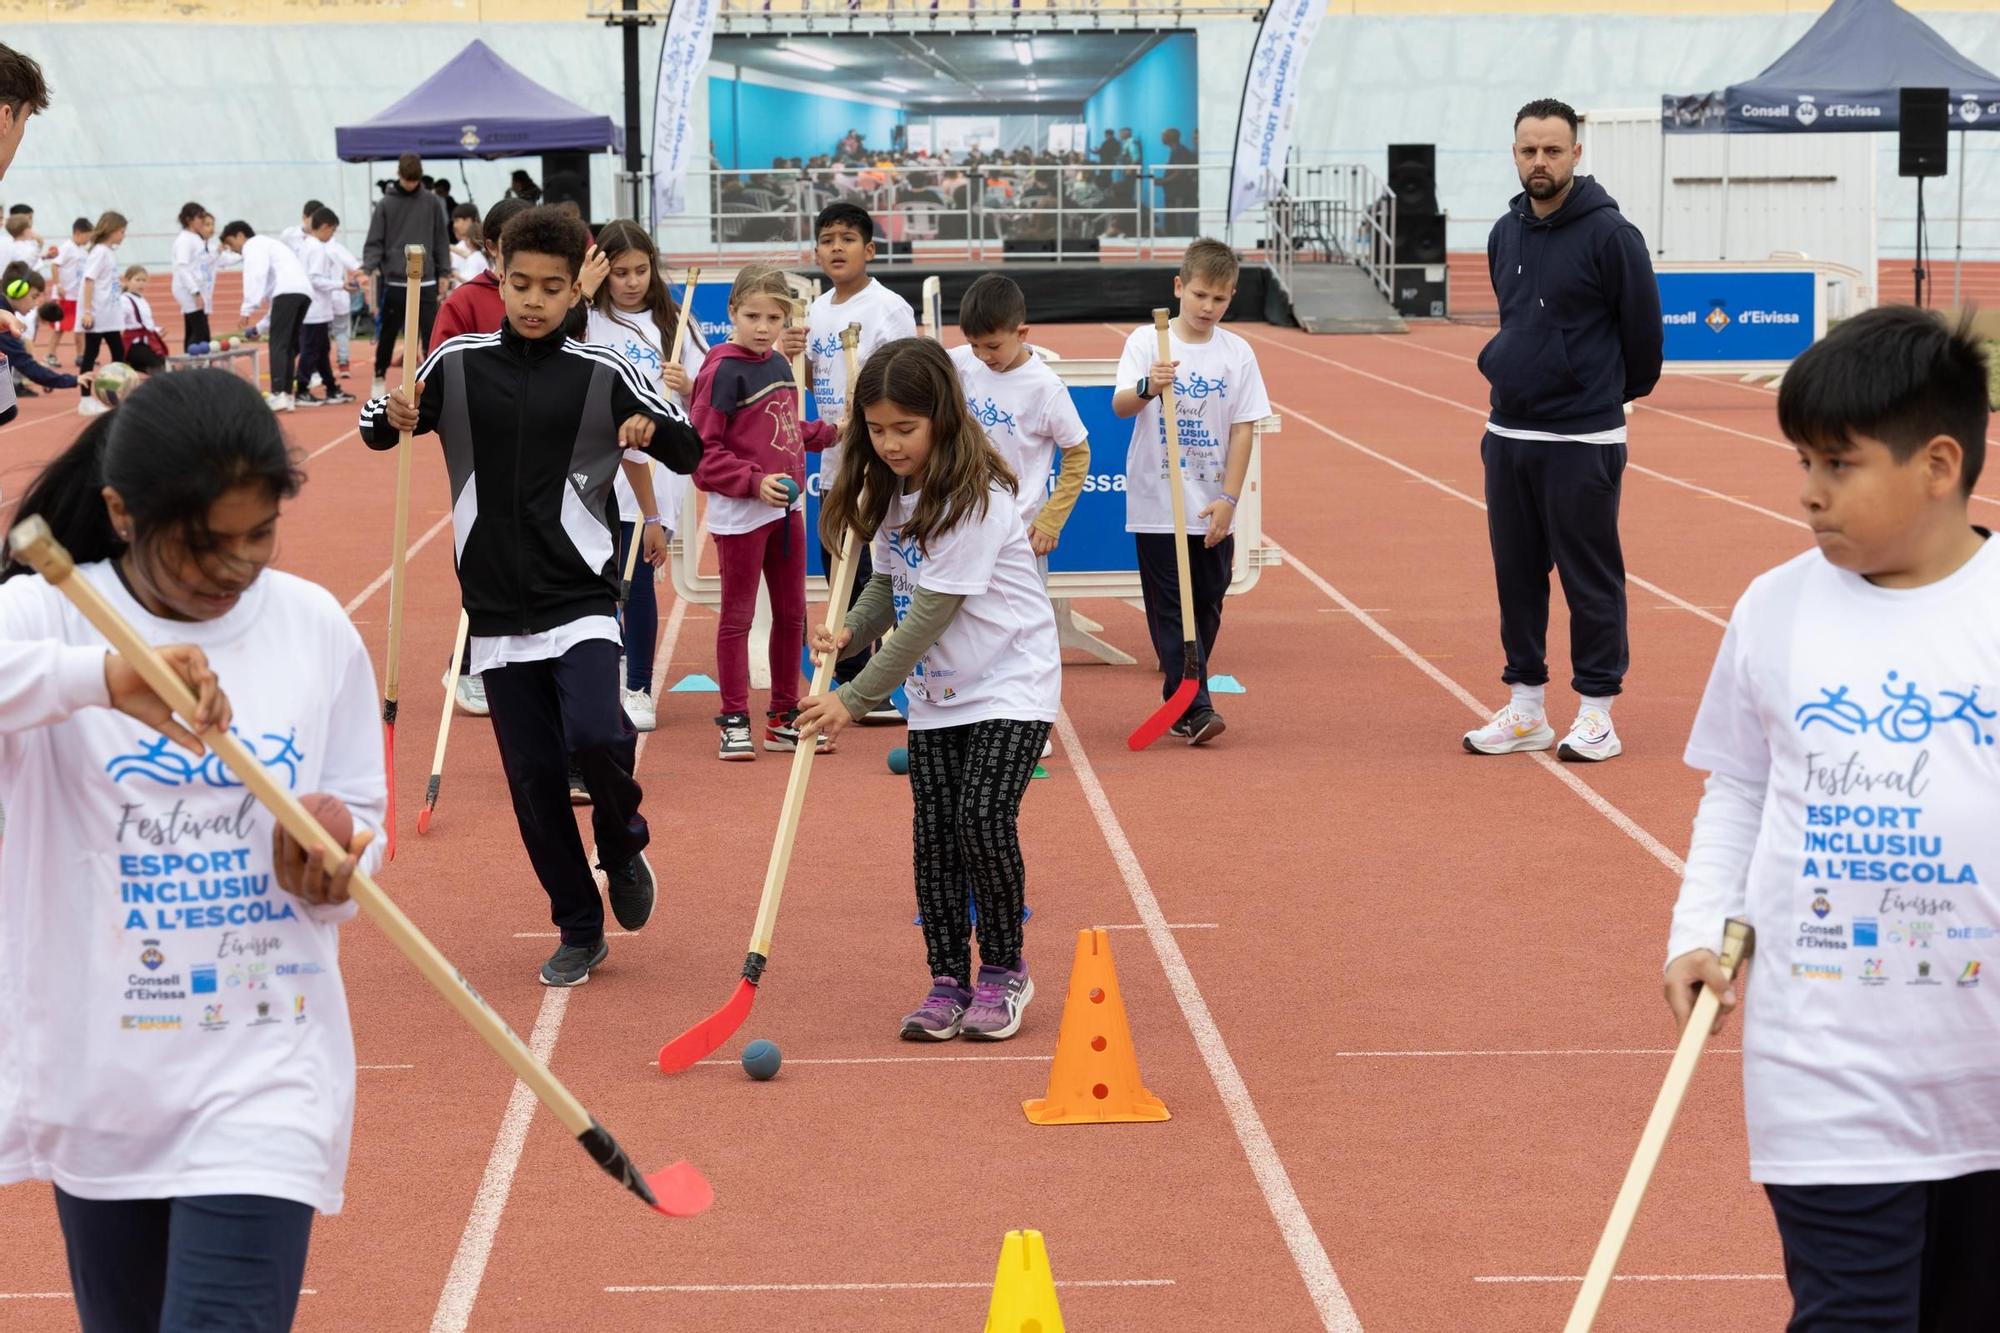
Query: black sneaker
point(570, 964)
point(1203, 725)
point(578, 793)
point(1180, 729)
point(632, 888)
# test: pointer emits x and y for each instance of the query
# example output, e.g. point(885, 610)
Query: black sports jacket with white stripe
point(530, 435)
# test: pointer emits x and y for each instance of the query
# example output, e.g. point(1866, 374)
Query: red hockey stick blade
point(680, 1191)
point(430, 804)
point(389, 771)
point(1170, 712)
point(706, 1037)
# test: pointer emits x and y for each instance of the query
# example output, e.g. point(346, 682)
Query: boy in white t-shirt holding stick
point(844, 244)
point(1850, 734)
point(1219, 394)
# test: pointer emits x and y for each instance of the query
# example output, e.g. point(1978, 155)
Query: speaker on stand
point(1419, 285)
point(566, 179)
point(1923, 145)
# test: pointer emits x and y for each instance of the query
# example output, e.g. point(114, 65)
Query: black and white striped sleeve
point(675, 441)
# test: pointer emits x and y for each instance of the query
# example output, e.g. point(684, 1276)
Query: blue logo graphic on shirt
point(642, 354)
point(161, 761)
point(823, 349)
point(1908, 718)
point(988, 414)
point(1199, 386)
point(908, 551)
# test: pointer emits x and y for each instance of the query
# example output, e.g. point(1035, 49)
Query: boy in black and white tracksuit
point(1579, 337)
point(534, 425)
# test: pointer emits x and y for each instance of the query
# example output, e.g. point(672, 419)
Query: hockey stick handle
point(1170, 415)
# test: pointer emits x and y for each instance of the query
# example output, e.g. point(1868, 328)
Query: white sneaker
point(639, 707)
point(378, 387)
point(1510, 732)
point(470, 696)
point(1048, 747)
point(1591, 738)
point(90, 407)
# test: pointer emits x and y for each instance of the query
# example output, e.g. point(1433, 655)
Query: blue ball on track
point(761, 1060)
point(899, 760)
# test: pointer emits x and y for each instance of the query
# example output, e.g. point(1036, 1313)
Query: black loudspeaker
point(1413, 177)
point(1921, 141)
point(1419, 238)
point(566, 176)
point(1422, 292)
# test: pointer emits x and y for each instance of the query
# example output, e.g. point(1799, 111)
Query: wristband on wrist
point(654, 521)
point(1225, 495)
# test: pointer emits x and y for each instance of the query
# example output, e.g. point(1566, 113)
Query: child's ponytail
point(69, 497)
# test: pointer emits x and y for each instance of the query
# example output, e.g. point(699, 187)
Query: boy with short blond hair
point(1219, 396)
point(1850, 735)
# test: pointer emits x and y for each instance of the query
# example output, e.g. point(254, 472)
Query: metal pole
point(634, 158)
point(1958, 256)
point(1722, 246)
point(1660, 232)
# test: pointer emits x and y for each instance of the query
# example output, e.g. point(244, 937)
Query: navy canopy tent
point(1845, 74)
point(478, 105)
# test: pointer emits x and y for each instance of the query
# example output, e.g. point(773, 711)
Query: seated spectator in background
point(851, 148)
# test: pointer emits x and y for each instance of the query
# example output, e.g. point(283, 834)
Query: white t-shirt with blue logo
point(1028, 415)
point(1219, 386)
point(884, 317)
point(176, 1022)
point(1870, 719)
point(998, 658)
point(638, 339)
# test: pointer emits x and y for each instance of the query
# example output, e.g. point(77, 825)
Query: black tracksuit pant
point(544, 715)
point(1554, 504)
point(394, 298)
point(195, 328)
point(288, 319)
point(1209, 569)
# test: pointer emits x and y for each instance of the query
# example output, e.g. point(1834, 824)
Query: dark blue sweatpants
point(1911, 1258)
point(216, 1263)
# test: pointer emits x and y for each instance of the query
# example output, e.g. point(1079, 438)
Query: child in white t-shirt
point(189, 253)
point(138, 310)
point(468, 249)
point(325, 307)
point(1850, 734)
point(1023, 406)
point(68, 275)
point(101, 303)
point(975, 649)
point(630, 310)
point(844, 245)
point(137, 873)
point(1219, 395)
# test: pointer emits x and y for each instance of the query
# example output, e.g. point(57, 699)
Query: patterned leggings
point(966, 784)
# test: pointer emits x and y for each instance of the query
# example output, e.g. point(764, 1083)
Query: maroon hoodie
point(747, 410)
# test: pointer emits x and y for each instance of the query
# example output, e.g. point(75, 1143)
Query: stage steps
point(1339, 298)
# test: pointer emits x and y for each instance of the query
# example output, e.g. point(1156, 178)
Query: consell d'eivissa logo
point(1688, 318)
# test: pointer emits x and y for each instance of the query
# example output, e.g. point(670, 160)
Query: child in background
point(296, 235)
point(844, 246)
point(975, 647)
point(273, 274)
point(139, 321)
point(195, 1210)
point(189, 251)
point(543, 628)
point(1219, 395)
point(630, 310)
point(329, 301)
point(1869, 1084)
point(753, 444)
point(23, 245)
point(68, 276)
point(468, 251)
point(100, 302)
point(35, 309)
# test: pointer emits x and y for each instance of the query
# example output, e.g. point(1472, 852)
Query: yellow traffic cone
point(1024, 1290)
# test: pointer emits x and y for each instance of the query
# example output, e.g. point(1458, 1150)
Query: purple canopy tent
point(480, 106)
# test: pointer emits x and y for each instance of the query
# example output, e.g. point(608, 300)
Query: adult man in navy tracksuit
point(1579, 338)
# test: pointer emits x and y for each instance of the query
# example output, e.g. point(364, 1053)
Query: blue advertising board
point(1737, 316)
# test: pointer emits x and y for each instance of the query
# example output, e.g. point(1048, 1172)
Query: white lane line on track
point(739, 1288)
point(335, 441)
point(1645, 1277)
point(1308, 1254)
point(1524, 1054)
point(1623, 822)
point(1654, 588)
point(482, 1227)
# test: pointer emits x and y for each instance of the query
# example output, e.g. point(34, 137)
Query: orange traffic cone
point(1095, 1077)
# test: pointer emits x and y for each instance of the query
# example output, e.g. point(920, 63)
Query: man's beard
point(1545, 187)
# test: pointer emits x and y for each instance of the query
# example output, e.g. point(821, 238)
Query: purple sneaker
point(998, 1002)
point(941, 1014)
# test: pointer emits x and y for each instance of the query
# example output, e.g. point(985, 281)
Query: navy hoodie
point(1580, 332)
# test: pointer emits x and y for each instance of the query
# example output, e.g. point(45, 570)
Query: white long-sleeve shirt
point(270, 270)
point(328, 279)
point(176, 1023)
point(189, 253)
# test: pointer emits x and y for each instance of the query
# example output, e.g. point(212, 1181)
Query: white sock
point(1528, 699)
point(1601, 705)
